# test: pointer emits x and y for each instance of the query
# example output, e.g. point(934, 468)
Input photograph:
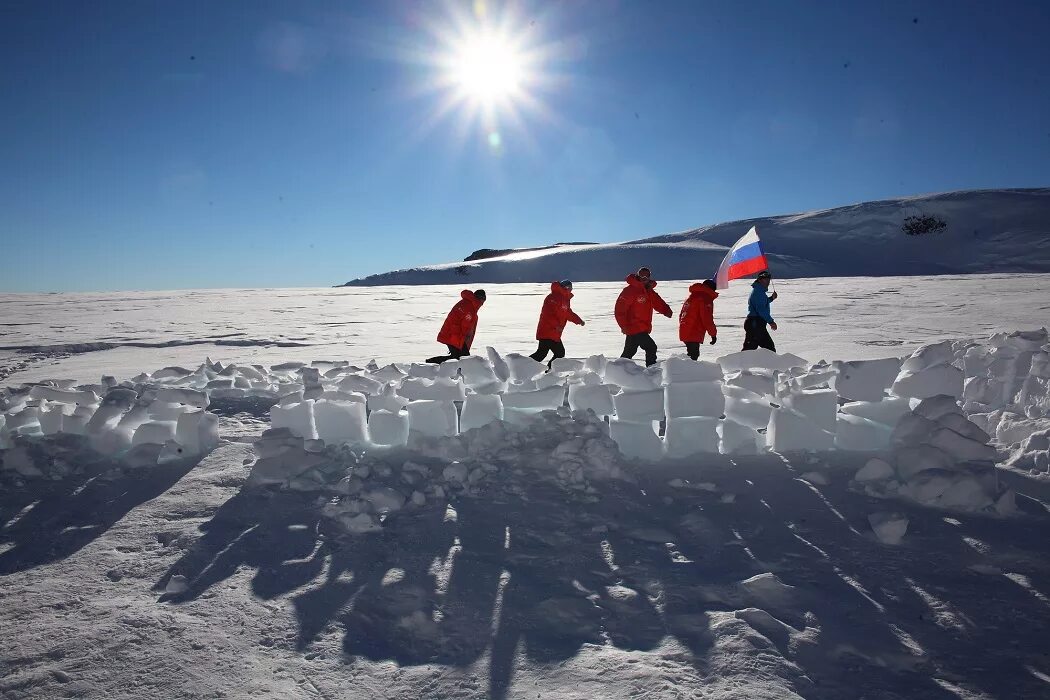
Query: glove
point(582, 322)
point(774, 297)
point(668, 314)
point(773, 326)
point(714, 339)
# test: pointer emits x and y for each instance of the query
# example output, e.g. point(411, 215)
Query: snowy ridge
point(986, 231)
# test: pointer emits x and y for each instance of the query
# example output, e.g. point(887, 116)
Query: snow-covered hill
point(985, 231)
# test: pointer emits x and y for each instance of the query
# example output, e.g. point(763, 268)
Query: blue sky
point(160, 145)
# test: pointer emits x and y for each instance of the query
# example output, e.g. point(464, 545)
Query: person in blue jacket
point(759, 315)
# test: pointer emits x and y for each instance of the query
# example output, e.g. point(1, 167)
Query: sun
point(488, 68)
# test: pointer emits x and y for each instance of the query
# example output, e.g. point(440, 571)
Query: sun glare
point(488, 69)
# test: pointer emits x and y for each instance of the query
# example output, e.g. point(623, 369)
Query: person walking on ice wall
point(460, 325)
point(697, 317)
point(634, 314)
point(556, 312)
point(759, 315)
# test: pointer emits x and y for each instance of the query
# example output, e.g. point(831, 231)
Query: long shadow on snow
point(69, 514)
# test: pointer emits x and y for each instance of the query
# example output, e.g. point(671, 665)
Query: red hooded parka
point(697, 316)
point(461, 322)
point(634, 307)
point(555, 314)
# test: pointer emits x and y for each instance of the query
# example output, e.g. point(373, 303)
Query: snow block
point(360, 384)
point(628, 374)
point(638, 406)
point(875, 470)
point(747, 408)
point(476, 370)
point(740, 439)
point(960, 448)
point(340, 422)
point(567, 365)
point(386, 399)
point(790, 431)
point(188, 397)
point(866, 380)
point(523, 368)
point(887, 412)
point(154, 433)
point(691, 435)
point(636, 440)
point(818, 405)
point(929, 356)
point(940, 379)
point(700, 398)
point(860, 434)
point(551, 398)
point(440, 389)
point(759, 359)
point(684, 369)
point(914, 460)
point(758, 383)
point(74, 398)
point(596, 397)
point(388, 428)
point(499, 366)
point(298, 418)
point(934, 407)
point(889, 528)
point(479, 410)
point(197, 432)
point(433, 418)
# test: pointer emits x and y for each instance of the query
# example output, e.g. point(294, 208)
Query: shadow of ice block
point(637, 440)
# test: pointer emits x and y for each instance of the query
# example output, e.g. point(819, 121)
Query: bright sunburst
point(488, 68)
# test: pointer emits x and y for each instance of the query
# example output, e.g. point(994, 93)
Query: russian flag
point(743, 259)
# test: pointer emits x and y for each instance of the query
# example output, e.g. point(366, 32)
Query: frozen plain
point(753, 582)
point(45, 336)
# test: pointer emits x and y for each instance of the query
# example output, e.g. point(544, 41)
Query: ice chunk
point(389, 373)
point(934, 407)
point(388, 428)
point(423, 371)
point(759, 359)
point(550, 379)
point(432, 417)
point(340, 422)
point(760, 384)
point(747, 408)
point(915, 460)
point(1009, 431)
point(875, 470)
point(887, 412)
point(539, 400)
point(818, 405)
point(690, 435)
point(154, 433)
point(597, 398)
point(50, 420)
point(523, 368)
point(860, 434)
point(197, 432)
point(684, 369)
point(966, 493)
point(499, 366)
point(567, 365)
point(866, 380)
point(694, 399)
point(298, 418)
point(636, 440)
point(387, 399)
point(929, 356)
point(791, 431)
point(628, 374)
point(476, 371)
point(188, 397)
point(959, 424)
point(361, 384)
point(913, 429)
point(940, 379)
point(889, 528)
point(740, 439)
point(638, 406)
point(440, 389)
point(596, 364)
point(961, 448)
point(76, 398)
point(479, 410)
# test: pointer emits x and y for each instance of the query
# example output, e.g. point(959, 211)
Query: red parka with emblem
point(555, 313)
point(461, 322)
point(634, 307)
point(697, 316)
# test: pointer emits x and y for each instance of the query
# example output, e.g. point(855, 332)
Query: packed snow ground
point(983, 231)
point(51, 336)
point(536, 560)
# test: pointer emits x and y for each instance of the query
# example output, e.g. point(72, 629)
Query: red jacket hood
point(560, 290)
point(703, 290)
point(468, 296)
point(636, 281)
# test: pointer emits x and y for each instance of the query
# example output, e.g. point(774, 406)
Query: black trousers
point(454, 353)
point(643, 341)
point(546, 346)
point(693, 350)
point(756, 335)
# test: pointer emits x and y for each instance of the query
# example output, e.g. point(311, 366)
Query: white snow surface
point(985, 231)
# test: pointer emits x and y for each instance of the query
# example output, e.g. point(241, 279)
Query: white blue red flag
point(743, 259)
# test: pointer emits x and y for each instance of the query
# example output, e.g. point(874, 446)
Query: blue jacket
point(758, 304)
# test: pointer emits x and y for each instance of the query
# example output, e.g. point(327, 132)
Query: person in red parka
point(460, 325)
point(634, 314)
point(697, 317)
point(555, 313)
